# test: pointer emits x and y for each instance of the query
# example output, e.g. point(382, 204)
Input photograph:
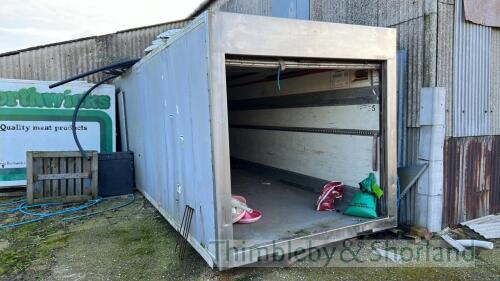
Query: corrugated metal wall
point(62, 60)
point(444, 72)
point(476, 101)
point(252, 7)
point(495, 80)
point(471, 90)
point(345, 11)
point(472, 154)
point(472, 178)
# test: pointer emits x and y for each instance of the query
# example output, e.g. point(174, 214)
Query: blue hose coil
point(22, 207)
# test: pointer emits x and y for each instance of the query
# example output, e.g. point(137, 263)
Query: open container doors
point(177, 120)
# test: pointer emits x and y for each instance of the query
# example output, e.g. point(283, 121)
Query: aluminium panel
point(169, 131)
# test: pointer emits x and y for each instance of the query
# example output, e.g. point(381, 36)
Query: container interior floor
point(287, 211)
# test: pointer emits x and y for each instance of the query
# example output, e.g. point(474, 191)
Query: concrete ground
point(136, 243)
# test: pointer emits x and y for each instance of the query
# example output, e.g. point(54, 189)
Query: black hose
point(110, 68)
point(75, 113)
point(123, 64)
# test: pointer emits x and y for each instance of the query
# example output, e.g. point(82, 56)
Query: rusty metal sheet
point(472, 178)
point(484, 12)
point(488, 226)
point(494, 176)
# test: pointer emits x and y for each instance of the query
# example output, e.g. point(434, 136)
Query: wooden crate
point(62, 176)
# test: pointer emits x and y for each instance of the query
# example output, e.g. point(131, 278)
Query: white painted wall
point(344, 158)
point(330, 157)
point(362, 117)
point(317, 82)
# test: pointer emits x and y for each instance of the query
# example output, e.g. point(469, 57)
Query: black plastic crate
point(116, 173)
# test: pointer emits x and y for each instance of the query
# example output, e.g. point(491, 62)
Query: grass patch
point(136, 248)
point(29, 245)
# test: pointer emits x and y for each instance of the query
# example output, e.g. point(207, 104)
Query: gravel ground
point(136, 243)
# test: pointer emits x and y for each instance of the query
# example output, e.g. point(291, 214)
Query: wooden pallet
point(62, 176)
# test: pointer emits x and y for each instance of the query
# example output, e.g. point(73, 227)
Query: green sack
point(366, 184)
point(362, 205)
point(377, 190)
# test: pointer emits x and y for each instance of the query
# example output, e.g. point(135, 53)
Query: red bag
point(331, 191)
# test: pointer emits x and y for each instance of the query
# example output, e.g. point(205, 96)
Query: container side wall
point(168, 120)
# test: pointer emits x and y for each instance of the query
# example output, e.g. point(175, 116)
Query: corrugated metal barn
point(438, 48)
point(65, 59)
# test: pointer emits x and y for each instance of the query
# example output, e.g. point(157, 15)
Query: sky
point(27, 23)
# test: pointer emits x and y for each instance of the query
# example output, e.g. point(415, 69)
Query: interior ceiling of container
point(293, 129)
